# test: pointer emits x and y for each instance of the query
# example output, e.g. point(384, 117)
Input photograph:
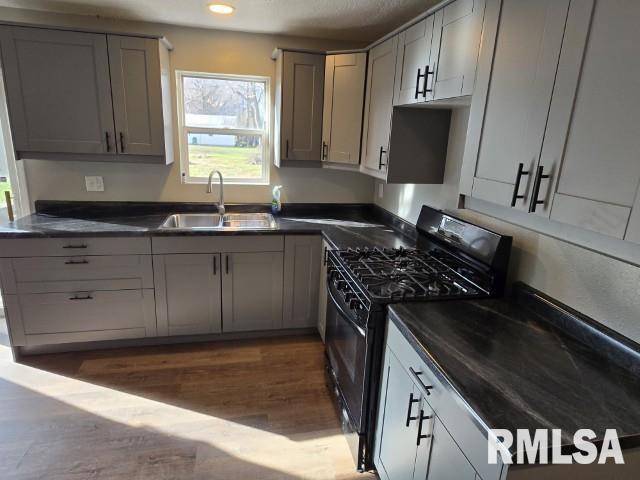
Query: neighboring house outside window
point(224, 125)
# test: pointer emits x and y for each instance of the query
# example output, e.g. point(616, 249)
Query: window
point(223, 122)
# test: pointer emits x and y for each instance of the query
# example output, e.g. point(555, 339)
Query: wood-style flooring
point(255, 409)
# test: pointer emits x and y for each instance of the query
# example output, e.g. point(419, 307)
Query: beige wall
point(594, 284)
point(196, 50)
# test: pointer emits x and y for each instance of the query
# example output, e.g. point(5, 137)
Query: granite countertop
point(343, 226)
point(522, 364)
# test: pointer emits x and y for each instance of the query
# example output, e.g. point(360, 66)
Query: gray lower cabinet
point(423, 431)
point(87, 96)
point(323, 296)
point(301, 285)
point(188, 293)
point(252, 291)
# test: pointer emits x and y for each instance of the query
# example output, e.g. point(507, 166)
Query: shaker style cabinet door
point(591, 151)
point(188, 294)
point(456, 38)
point(511, 99)
point(301, 286)
point(343, 102)
point(58, 91)
point(398, 413)
point(252, 291)
point(302, 94)
point(378, 107)
point(447, 460)
point(415, 64)
point(134, 64)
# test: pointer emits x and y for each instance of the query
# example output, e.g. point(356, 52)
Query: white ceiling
point(355, 20)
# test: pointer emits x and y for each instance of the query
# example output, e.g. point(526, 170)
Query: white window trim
point(183, 129)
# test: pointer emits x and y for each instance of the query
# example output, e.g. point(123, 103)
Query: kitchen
point(426, 152)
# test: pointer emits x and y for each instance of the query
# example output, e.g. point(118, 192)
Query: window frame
point(184, 130)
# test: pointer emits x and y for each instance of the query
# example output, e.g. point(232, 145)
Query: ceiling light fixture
point(221, 8)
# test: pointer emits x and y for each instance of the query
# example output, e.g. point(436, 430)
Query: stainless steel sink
point(213, 221)
point(199, 221)
point(250, 221)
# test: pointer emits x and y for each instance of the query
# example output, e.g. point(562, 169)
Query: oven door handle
point(342, 312)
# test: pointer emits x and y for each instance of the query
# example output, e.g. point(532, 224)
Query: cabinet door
point(134, 64)
point(301, 273)
point(509, 114)
point(378, 107)
point(343, 102)
point(252, 291)
point(188, 294)
point(58, 90)
point(397, 430)
point(424, 437)
point(457, 32)
point(447, 460)
point(302, 93)
point(413, 63)
point(591, 149)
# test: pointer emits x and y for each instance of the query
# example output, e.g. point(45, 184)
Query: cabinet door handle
point(226, 260)
point(426, 90)
point(536, 189)
point(215, 265)
point(286, 155)
point(420, 75)
point(76, 297)
point(416, 374)
point(380, 164)
point(409, 416)
point(516, 187)
point(77, 262)
point(121, 142)
point(422, 436)
point(325, 150)
point(106, 139)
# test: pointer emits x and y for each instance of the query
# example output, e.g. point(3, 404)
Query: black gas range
point(453, 259)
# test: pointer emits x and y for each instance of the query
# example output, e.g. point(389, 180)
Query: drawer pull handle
point(76, 297)
point(75, 246)
point(422, 436)
point(76, 262)
point(411, 402)
point(426, 388)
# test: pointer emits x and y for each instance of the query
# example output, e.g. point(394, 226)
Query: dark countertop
point(523, 363)
point(341, 225)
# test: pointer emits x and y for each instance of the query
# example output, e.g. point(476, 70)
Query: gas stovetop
point(399, 274)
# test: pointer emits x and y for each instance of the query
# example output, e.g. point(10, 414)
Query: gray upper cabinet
point(134, 64)
point(301, 284)
point(378, 107)
point(299, 103)
point(414, 65)
point(518, 64)
point(87, 96)
point(457, 35)
point(58, 91)
point(591, 148)
point(188, 294)
point(252, 291)
point(343, 106)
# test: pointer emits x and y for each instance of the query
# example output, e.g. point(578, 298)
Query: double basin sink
point(214, 221)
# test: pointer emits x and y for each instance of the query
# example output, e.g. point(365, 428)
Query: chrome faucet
point(221, 201)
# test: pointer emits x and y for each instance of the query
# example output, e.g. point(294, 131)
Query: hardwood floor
point(255, 409)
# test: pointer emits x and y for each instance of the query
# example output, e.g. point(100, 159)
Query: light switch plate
point(380, 190)
point(94, 184)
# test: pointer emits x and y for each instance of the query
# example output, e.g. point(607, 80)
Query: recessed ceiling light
point(221, 8)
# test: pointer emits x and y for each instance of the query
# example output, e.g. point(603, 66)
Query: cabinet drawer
point(55, 274)
point(218, 244)
point(64, 247)
point(83, 316)
point(465, 427)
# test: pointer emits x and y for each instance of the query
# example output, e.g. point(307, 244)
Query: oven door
point(346, 346)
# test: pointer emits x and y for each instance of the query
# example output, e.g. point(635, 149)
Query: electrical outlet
point(94, 184)
point(380, 190)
